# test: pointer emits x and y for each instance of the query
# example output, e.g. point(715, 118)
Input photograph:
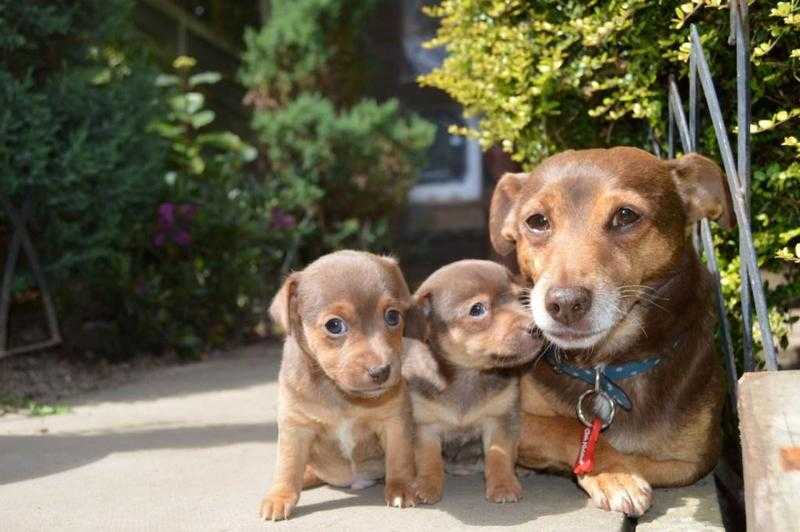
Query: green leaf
point(204, 78)
point(203, 118)
point(167, 80)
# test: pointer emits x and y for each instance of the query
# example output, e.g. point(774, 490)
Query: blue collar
point(608, 375)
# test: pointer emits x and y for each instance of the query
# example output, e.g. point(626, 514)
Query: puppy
point(603, 235)
point(479, 334)
point(344, 415)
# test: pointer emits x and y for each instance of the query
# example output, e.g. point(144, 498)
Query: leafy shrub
point(74, 108)
point(551, 75)
point(340, 163)
point(202, 273)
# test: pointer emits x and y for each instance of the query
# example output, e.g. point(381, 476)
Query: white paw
point(618, 492)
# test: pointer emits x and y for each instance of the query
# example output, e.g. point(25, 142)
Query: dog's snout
point(568, 305)
point(379, 374)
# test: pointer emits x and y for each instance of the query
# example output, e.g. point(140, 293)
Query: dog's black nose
point(568, 305)
point(379, 374)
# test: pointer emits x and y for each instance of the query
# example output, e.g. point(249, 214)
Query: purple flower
point(280, 219)
point(173, 222)
point(182, 238)
point(166, 214)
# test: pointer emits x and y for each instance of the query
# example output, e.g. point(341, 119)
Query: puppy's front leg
point(499, 448)
point(430, 466)
point(294, 443)
point(399, 451)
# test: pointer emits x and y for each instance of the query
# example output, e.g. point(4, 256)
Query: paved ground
point(193, 448)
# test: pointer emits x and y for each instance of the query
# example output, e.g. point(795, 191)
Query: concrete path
point(193, 448)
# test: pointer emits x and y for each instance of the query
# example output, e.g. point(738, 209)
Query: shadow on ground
point(28, 457)
point(464, 500)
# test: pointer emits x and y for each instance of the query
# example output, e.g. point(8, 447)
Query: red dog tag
point(585, 462)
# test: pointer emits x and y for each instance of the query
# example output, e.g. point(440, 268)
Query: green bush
point(75, 104)
point(552, 75)
point(341, 163)
point(200, 279)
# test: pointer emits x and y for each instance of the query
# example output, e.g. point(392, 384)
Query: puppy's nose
point(568, 305)
point(379, 374)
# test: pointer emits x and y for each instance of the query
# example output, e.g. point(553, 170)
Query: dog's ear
point(284, 305)
point(502, 229)
point(703, 189)
point(418, 318)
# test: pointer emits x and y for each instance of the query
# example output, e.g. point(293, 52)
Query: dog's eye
point(624, 217)
point(392, 317)
point(538, 223)
point(477, 310)
point(336, 326)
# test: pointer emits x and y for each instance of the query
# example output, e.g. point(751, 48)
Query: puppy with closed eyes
point(344, 415)
point(480, 336)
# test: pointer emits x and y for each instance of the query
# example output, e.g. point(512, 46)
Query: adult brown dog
point(603, 236)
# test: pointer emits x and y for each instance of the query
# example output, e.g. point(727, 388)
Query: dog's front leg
point(553, 442)
point(294, 443)
point(499, 448)
point(430, 466)
point(397, 443)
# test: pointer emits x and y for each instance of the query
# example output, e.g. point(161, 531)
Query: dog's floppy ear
point(703, 189)
point(418, 318)
point(502, 229)
point(284, 306)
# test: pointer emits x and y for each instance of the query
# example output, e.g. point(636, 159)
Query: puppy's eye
point(392, 317)
point(336, 326)
point(538, 223)
point(477, 310)
point(624, 217)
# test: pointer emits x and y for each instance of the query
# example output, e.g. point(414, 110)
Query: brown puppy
point(603, 236)
point(478, 333)
point(344, 408)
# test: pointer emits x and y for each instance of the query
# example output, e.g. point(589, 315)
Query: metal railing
point(737, 172)
point(21, 241)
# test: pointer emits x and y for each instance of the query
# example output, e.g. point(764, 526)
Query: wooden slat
point(770, 431)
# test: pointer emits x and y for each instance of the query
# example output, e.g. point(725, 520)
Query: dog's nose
point(568, 305)
point(379, 374)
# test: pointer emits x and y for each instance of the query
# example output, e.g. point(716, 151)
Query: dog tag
point(585, 462)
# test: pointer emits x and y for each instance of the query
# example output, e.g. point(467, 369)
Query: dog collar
point(608, 374)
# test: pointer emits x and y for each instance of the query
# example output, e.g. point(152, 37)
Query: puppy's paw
point(399, 494)
point(506, 490)
point(428, 490)
point(619, 492)
point(278, 504)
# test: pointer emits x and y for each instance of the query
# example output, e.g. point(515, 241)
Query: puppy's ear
point(703, 189)
point(418, 318)
point(502, 229)
point(393, 267)
point(284, 306)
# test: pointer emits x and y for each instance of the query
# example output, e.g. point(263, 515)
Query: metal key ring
point(583, 419)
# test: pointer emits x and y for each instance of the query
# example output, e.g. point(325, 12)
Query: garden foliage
point(341, 163)
point(75, 103)
point(546, 76)
point(157, 230)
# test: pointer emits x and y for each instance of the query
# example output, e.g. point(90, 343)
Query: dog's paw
point(278, 505)
point(506, 490)
point(619, 492)
point(428, 490)
point(399, 494)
